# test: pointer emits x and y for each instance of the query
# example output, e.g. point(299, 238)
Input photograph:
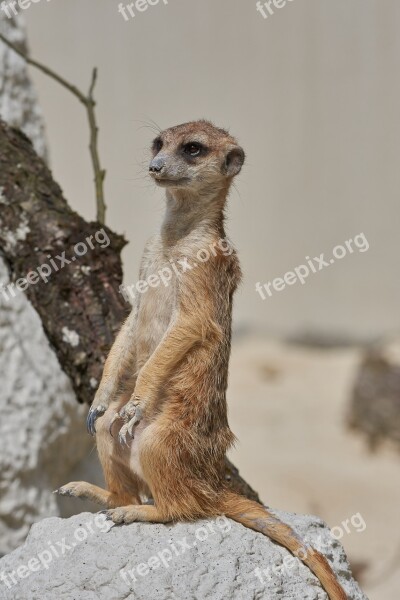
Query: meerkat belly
point(134, 459)
point(154, 317)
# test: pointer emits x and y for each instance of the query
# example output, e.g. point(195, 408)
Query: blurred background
point(312, 93)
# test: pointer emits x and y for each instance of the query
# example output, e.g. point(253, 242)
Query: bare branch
point(89, 103)
point(99, 173)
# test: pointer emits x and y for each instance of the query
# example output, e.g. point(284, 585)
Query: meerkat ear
point(234, 161)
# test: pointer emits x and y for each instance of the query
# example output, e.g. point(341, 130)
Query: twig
point(89, 103)
point(99, 173)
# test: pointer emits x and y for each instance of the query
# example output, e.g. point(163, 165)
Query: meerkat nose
point(157, 164)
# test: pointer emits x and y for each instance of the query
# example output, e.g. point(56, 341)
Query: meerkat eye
point(193, 149)
point(157, 144)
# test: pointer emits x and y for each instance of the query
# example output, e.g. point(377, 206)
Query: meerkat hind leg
point(84, 491)
point(143, 513)
point(88, 491)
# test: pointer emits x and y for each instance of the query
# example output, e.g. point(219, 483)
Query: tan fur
point(171, 359)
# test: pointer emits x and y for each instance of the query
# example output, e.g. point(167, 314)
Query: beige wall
point(312, 93)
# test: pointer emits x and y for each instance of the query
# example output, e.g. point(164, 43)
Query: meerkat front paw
point(131, 414)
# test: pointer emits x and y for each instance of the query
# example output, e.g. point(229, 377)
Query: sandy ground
point(287, 407)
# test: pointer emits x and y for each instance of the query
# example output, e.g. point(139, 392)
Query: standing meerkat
point(160, 413)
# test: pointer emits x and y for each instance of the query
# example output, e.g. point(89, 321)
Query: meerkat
point(160, 412)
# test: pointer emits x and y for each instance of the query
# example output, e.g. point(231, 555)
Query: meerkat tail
point(256, 517)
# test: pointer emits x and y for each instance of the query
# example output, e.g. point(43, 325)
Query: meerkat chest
point(157, 300)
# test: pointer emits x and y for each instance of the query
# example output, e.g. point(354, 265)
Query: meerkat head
point(195, 157)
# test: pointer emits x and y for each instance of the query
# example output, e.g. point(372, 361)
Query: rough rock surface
point(213, 560)
point(38, 409)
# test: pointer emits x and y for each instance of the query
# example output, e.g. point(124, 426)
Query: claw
point(89, 421)
point(105, 512)
point(62, 491)
point(135, 420)
point(131, 425)
point(107, 516)
point(115, 418)
point(93, 415)
point(122, 435)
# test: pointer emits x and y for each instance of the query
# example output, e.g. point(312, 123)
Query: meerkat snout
point(195, 155)
point(157, 164)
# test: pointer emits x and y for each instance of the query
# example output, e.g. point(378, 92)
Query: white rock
point(206, 560)
point(42, 431)
point(18, 100)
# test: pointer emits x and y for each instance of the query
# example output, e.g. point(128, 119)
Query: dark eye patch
point(194, 149)
point(157, 144)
